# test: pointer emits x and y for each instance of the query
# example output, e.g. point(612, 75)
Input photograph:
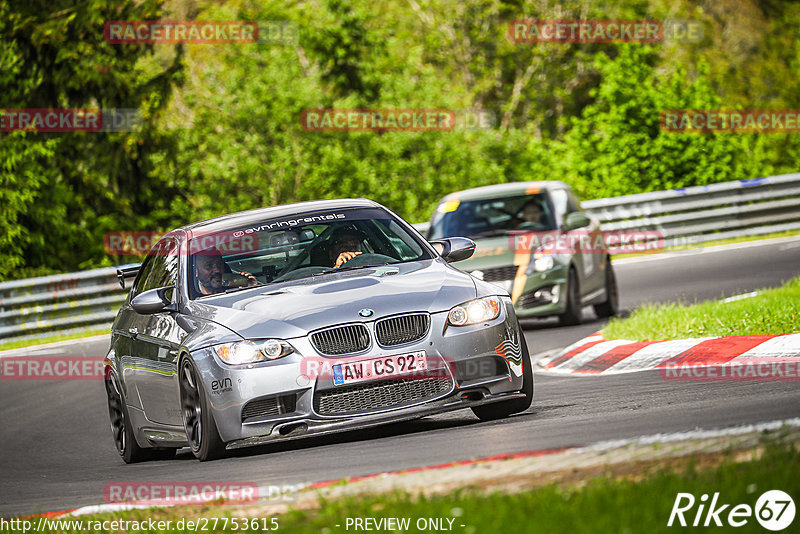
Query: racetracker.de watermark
point(604, 31)
point(52, 368)
point(587, 242)
point(743, 369)
point(166, 493)
point(396, 120)
point(585, 31)
point(200, 32)
point(53, 120)
point(730, 121)
point(124, 243)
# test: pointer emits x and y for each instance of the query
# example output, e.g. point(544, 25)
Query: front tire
point(501, 410)
point(610, 307)
point(198, 421)
point(573, 314)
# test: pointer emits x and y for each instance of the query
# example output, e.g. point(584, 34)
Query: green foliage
point(617, 146)
point(222, 131)
point(62, 192)
point(714, 319)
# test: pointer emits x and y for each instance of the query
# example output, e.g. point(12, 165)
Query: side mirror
point(152, 301)
point(454, 248)
point(576, 220)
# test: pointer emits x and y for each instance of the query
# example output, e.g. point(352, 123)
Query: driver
point(209, 267)
point(346, 246)
point(531, 212)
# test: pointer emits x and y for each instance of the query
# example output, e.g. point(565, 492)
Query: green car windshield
point(490, 217)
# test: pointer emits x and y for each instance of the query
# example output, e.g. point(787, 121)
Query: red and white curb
point(595, 355)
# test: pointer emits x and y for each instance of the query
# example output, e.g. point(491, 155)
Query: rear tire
point(198, 421)
point(122, 429)
point(574, 311)
point(610, 307)
point(501, 410)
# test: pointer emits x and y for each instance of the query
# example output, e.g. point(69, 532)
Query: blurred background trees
point(222, 131)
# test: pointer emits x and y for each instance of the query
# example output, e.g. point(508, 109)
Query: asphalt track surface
point(56, 450)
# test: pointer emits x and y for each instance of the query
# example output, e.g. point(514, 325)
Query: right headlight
point(475, 311)
point(242, 352)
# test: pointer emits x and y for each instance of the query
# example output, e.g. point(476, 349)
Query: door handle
point(133, 331)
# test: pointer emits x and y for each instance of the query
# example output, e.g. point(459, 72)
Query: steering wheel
point(368, 258)
point(530, 225)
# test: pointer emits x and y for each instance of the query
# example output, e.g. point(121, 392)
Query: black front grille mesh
point(269, 406)
point(402, 329)
point(529, 300)
point(261, 408)
point(380, 394)
point(342, 339)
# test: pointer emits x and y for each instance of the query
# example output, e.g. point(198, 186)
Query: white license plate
point(379, 368)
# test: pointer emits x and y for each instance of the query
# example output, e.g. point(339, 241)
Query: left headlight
point(242, 352)
point(475, 311)
point(543, 262)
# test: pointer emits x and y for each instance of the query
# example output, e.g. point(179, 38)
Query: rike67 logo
point(774, 510)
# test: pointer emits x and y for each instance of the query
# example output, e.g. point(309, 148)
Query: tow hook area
point(472, 394)
point(292, 428)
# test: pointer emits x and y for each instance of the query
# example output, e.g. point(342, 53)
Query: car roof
point(504, 190)
point(297, 209)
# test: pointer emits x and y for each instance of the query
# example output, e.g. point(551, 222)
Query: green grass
point(771, 311)
point(602, 505)
point(707, 244)
point(51, 339)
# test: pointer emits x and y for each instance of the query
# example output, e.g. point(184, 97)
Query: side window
point(164, 271)
point(572, 202)
point(144, 270)
point(402, 243)
point(560, 203)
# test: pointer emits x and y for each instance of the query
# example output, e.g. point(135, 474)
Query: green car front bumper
point(540, 294)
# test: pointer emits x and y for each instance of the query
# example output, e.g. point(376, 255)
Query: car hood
point(292, 309)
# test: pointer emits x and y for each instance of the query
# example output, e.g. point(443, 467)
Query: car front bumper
point(473, 365)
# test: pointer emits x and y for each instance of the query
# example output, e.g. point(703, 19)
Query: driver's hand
point(344, 257)
point(251, 280)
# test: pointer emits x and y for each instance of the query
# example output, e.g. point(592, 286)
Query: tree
point(64, 191)
point(617, 146)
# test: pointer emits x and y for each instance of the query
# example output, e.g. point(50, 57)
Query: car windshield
point(490, 217)
point(278, 250)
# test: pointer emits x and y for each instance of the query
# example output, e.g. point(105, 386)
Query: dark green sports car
point(534, 241)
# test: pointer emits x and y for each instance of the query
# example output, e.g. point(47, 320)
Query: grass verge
point(770, 311)
point(636, 502)
point(51, 339)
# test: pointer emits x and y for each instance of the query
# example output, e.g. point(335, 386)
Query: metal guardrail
point(698, 214)
point(59, 304)
point(74, 302)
